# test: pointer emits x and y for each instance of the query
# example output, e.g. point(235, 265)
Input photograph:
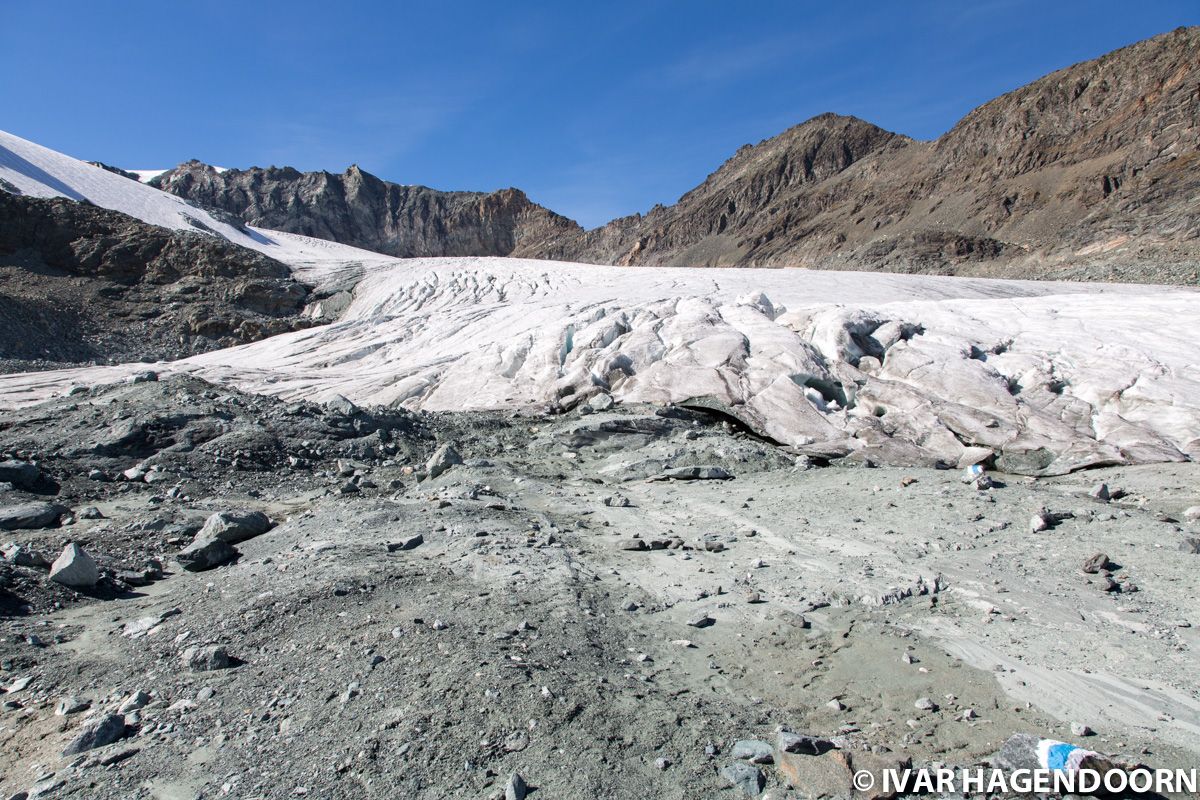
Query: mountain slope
point(707, 226)
point(1093, 163)
point(80, 283)
point(30, 169)
point(360, 209)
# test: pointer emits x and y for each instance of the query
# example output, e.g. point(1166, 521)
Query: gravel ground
point(564, 615)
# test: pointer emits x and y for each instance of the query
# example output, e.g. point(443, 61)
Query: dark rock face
point(1088, 173)
point(80, 283)
point(358, 208)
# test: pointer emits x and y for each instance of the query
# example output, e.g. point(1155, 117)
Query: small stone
point(662, 763)
point(407, 543)
point(835, 705)
point(600, 402)
point(753, 750)
point(789, 742)
point(1100, 492)
point(702, 621)
point(1079, 729)
point(516, 788)
point(71, 705)
point(747, 778)
point(1095, 563)
point(134, 702)
point(24, 557)
point(925, 704)
point(20, 474)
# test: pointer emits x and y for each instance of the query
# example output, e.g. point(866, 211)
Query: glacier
point(1044, 377)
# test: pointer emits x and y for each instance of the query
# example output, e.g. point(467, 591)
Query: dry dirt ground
point(525, 633)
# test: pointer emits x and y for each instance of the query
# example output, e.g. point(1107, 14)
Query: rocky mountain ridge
point(1088, 173)
point(358, 208)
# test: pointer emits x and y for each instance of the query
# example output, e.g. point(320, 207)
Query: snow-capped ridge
point(29, 168)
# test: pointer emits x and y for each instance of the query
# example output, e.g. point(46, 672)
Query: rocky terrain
point(80, 283)
point(1089, 173)
point(358, 208)
point(507, 528)
point(624, 603)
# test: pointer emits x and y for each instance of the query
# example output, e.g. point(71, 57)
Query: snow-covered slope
point(896, 368)
point(34, 170)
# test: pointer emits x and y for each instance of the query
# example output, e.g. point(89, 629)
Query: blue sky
point(595, 109)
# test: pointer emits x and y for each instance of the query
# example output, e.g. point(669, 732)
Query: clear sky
point(594, 109)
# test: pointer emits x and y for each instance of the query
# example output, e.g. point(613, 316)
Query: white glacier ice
point(894, 368)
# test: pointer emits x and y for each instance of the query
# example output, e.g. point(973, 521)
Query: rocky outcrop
point(708, 226)
point(80, 283)
point(358, 208)
point(1088, 173)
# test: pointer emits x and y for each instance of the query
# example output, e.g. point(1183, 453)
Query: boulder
point(234, 526)
point(206, 659)
point(31, 515)
point(600, 402)
point(96, 732)
point(442, 459)
point(24, 557)
point(203, 554)
point(694, 474)
point(20, 474)
point(75, 568)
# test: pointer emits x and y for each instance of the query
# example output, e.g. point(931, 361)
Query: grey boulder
point(204, 554)
point(442, 459)
point(21, 474)
point(75, 568)
point(206, 659)
point(234, 526)
point(694, 474)
point(96, 732)
point(31, 515)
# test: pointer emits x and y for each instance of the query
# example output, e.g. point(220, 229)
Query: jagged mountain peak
point(357, 206)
